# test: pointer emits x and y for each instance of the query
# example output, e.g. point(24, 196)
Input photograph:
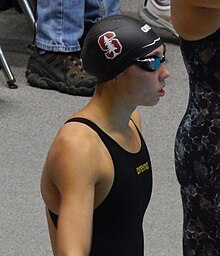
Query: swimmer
point(97, 178)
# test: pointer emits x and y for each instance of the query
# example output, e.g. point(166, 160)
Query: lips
point(161, 92)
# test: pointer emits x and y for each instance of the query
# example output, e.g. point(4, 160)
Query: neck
point(108, 109)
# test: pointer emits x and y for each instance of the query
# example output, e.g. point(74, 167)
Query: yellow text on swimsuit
point(142, 168)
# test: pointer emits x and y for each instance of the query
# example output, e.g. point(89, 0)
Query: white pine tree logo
point(110, 44)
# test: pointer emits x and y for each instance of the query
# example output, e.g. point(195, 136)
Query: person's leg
point(60, 25)
point(55, 62)
point(98, 9)
point(157, 14)
point(55, 21)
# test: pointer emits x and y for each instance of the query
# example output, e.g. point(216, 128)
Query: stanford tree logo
point(110, 44)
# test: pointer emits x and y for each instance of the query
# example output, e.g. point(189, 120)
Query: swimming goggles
point(150, 63)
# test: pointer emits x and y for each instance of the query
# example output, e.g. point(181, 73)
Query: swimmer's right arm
point(75, 178)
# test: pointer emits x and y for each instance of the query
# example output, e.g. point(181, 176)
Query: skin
point(195, 19)
point(72, 187)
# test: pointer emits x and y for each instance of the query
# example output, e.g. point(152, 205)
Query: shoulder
point(136, 119)
point(74, 149)
point(74, 137)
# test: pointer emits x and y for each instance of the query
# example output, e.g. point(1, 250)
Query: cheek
point(148, 92)
point(147, 84)
point(142, 86)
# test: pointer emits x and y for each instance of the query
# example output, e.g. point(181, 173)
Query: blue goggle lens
point(150, 63)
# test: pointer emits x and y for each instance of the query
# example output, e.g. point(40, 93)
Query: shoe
point(157, 14)
point(59, 71)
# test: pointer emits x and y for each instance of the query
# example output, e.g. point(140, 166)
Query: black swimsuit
point(197, 149)
point(117, 222)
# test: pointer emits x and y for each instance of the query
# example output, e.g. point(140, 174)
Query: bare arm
point(74, 175)
point(204, 3)
point(195, 19)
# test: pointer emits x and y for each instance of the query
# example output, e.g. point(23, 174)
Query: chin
point(149, 104)
point(152, 103)
point(155, 103)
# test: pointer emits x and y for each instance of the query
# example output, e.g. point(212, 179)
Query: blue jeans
point(60, 23)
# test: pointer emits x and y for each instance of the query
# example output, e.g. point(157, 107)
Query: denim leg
point(97, 9)
point(60, 24)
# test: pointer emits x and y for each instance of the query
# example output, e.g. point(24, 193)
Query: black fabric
point(7, 4)
point(117, 222)
point(197, 154)
point(54, 217)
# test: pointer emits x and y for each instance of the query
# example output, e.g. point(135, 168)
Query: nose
point(165, 72)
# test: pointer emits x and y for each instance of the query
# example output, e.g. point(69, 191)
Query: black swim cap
point(113, 43)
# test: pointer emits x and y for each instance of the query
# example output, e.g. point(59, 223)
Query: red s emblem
point(109, 44)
